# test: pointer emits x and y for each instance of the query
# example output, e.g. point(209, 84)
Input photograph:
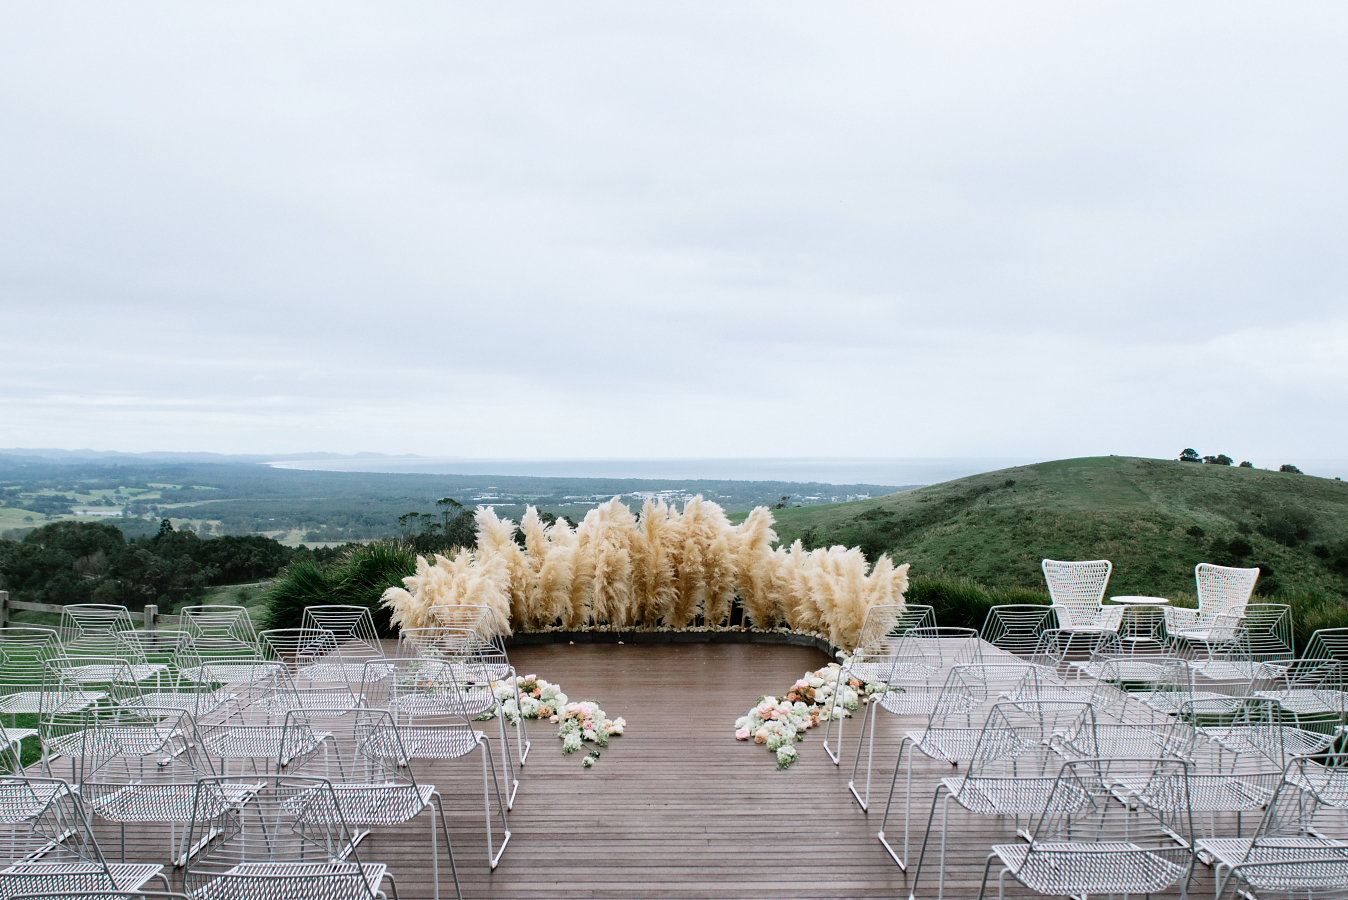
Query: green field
point(1155, 519)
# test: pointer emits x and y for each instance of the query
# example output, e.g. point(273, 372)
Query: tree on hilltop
point(1288, 467)
point(1221, 459)
point(1189, 454)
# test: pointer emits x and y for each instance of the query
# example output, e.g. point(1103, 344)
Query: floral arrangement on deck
point(583, 723)
point(531, 697)
point(779, 722)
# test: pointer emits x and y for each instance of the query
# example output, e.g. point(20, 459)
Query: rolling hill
point(1154, 518)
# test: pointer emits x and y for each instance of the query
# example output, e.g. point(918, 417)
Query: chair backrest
point(1223, 590)
point(22, 652)
point(1077, 588)
point(287, 819)
point(94, 628)
point(42, 819)
point(220, 621)
point(886, 622)
point(1328, 643)
point(1093, 843)
point(352, 625)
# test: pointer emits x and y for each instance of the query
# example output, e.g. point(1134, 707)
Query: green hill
point(1155, 519)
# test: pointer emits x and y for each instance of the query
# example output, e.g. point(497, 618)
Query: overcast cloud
point(639, 230)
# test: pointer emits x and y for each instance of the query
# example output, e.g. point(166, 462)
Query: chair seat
point(946, 744)
point(1234, 851)
point(248, 880)
point(45, 877)
point(170, 802)
point(37, 702)
point(1084, 867)
point(20, 802)
point(426, 743)
point(1005, 796)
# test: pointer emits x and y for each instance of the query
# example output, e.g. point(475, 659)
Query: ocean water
point(895, 471)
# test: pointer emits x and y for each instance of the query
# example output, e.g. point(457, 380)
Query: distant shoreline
point(895, 471)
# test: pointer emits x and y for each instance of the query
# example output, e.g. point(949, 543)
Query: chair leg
point(832, 712)
point(438, 819)
point(902, 862)
point(867, 740)
point(507, 766)
point(489, 780)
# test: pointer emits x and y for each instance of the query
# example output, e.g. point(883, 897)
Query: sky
point(618, 230)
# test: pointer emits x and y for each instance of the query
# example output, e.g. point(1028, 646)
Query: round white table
point(1141, 622)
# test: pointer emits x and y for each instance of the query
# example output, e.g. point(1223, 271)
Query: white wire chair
point(479, 659)
point(364, 760)
point(1313, 690)
point(288, 841)
point(47, 845)
point(1223, 594)
point(1013, 771)
point(1300, 848)
point(25, 692)
point(1093, 839)
point(318, 680)
point(140, 767)
point(952, 732)
point(884, 625)
point(93, 627)
point(912, 684)
point(1077, 590)
point(432, 704)
point(1328, 643)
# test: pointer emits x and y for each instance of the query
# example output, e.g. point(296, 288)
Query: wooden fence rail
point(152, 618)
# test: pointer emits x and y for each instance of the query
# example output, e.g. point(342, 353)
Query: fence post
point(151, 616)
point(4, 608)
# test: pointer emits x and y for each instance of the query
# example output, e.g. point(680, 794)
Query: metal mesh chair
point(318, 680)
point(1328, 643)
point(364, 759)
point(1013, 772)
point(479, 657)
point(1300, 848)
point(425, 688)
point(1089, 842)
point(952, 731)
point(1077, 590)
point(140, 767)
point(289, 840)
point(884, 625)
point(913, 685)
point(433, 705)
point(25, 687)
point(46, 844)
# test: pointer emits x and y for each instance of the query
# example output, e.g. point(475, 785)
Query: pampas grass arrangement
point(664, 570)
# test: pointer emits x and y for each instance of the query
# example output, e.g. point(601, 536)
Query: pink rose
point(742, 734)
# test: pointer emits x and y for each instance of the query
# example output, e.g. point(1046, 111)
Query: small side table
point(1142, 620)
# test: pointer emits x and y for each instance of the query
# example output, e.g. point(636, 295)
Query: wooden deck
point(677, 808)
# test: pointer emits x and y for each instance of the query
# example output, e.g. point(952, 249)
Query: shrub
point(357, 578)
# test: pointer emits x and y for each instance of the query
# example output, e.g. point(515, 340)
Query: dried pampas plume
point(665, 569)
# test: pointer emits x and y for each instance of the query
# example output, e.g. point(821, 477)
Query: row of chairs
point(323, 703)
point(1054, 737)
